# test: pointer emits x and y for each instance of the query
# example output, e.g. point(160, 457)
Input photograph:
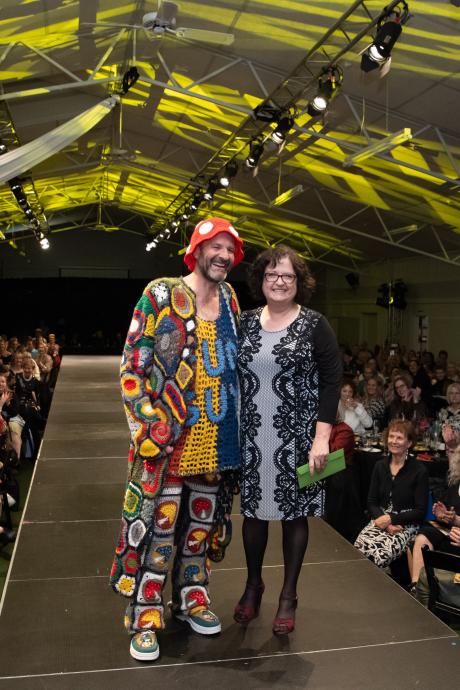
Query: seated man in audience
point(439, 389)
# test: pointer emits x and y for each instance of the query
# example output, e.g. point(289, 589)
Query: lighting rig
point(279, 120)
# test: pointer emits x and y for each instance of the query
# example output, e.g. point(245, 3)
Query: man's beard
point(205, 266)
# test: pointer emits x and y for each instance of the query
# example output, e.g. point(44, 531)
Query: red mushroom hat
point(206, 230)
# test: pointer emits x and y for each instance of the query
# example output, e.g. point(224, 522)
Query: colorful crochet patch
point(181, 302)
point(169, 341)
point(150, 618)
point(173, 397)
point(165, 515)
point(131, 386)
point(133, 499)
point(159, 556)
point(195, 540)
point(148, 449)
point(201, 508)
point(136, 533)
point(126, 585)
point(150, 588)
point(136, 327)
point(184, 374)
point(131, 562)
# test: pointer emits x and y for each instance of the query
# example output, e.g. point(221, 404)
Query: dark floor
point(61, 625)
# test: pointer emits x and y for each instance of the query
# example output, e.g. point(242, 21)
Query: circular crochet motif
point(131, 386)
point(126, 585)
point(181, 302)
point(195, 539)
point(150, 619)
point(165, 515)
point(160, 432)
point(202, 508)
point(192, 573)
point(136, 327)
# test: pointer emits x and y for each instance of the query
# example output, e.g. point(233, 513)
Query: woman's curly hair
point(305, 282)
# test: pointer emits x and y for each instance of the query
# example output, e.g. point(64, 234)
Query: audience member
point(439, 387)
point(351, 411)
point(405, 404)
point(452, 411)
point(437, 533)
point(397, 500)
point(9, 410)
point(374, 403)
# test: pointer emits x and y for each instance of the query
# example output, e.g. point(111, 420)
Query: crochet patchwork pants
point(183, 516)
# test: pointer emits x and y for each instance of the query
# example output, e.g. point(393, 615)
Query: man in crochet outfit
point(179, 386)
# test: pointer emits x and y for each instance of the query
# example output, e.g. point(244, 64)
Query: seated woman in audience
point(5, 354)
point(44, 362)
point(351, 411)
point(28, 392)
point(373, 402)
point(452, 411)
point(16, 363)
point(9, 411)
point(437, 534)
point(405, 404)
point(27, 356)
point(397, 500)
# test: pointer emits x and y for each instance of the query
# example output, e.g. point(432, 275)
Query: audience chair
point(443, 597)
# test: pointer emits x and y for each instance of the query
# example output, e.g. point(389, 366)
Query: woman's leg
point(295, 542)
point(255, 536)
point(417, 556)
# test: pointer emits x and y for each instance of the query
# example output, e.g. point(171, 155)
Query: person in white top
point(351, 411)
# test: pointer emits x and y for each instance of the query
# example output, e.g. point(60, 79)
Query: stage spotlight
point(185, 215)
point(284, 125)
point(175, 223)
point(44, 243)
point(3, 148)
point(15, 185)
point(212, 188)
point(329, 83)
point(256, 149)
point(29, 212)
point(167, 233)
point(196, 201)
point(129, 79)
point(230, 171)
point(388, 31)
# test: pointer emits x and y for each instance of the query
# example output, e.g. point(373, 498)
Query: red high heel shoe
point(284, 626)
point(243, 614)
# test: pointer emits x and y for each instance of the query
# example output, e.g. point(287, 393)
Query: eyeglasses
point(287, 278)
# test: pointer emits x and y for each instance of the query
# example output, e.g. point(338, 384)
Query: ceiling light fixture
point(329, 83)
point(284, 125)
point(230, 171)
point(211, 189)
point(256, 149)
point(389, 29)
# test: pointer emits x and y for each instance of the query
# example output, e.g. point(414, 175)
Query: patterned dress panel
point(273, 447)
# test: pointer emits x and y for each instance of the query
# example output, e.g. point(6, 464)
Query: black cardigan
point(408, 492)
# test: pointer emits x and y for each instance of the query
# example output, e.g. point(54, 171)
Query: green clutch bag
point(335, 463)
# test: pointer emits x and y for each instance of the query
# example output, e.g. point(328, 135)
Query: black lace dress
point(289, 380)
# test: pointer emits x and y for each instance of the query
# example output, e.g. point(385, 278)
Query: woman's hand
point(439, 509)
point(393, 529)
point(317, 457)
point(382, 522)
point(4, 398)
point(455, 536)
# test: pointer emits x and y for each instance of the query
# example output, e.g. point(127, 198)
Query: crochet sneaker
point(144, 646)
point(201, 619)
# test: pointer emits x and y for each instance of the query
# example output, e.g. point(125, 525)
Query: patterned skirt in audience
point(383, 548)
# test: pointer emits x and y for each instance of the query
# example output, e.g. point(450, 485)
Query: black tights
point(295, 541)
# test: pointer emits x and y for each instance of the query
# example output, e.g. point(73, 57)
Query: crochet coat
point(157, 380)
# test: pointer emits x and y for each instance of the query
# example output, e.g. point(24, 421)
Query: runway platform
point(61, 624)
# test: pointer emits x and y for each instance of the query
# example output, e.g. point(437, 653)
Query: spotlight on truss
point(329, 83)
point(389, 29)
